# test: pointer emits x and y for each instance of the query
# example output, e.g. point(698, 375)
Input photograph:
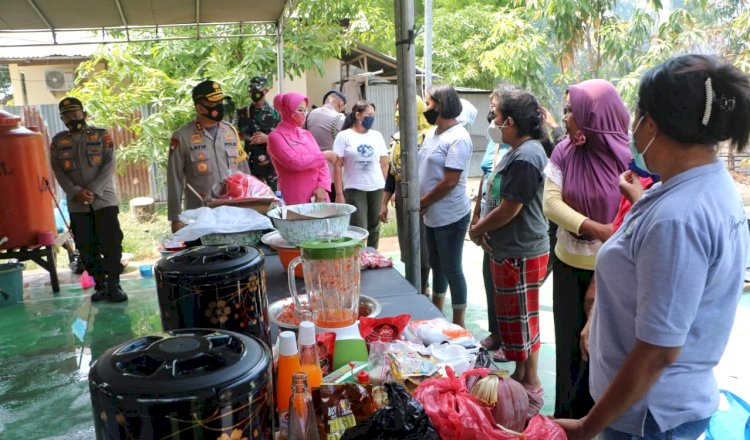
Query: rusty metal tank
point(25, 198)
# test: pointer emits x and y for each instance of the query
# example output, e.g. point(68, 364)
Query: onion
point(507, 397)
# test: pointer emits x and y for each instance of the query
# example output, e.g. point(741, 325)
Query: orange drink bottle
point(288, 365)
point(308, 354)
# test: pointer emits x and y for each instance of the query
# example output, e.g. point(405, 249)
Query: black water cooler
point(196, 384)
point(220, 287)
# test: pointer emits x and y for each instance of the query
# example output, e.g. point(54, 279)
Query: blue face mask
point(638, 158)
point(368, 121)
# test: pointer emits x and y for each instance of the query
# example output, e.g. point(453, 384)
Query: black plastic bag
point(403, 418)
point(484, 358)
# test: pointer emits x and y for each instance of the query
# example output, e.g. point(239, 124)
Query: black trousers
point(569, 284)
point(98, 237)
point(489, 291)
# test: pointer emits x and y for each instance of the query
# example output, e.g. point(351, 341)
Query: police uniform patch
point(196, 138)
point(108, 142)
point(94, 137)
point(96, 160)
point(228, 136)
point(174, 143)
point(202, 167)
point(68, 164)
point(65, 141)
point(201, 156)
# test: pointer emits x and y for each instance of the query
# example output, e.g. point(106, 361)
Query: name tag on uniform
point(197, 147)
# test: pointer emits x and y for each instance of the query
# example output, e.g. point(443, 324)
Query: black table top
point(395, 294)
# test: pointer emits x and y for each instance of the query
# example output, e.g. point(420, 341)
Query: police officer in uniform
point(83, 160)
point(255, 122)
point(202, 153)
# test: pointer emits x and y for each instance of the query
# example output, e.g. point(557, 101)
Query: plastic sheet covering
point(223, 219)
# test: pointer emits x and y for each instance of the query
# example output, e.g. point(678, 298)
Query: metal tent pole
point(407, 90)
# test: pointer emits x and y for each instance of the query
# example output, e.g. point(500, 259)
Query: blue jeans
point(686, 431)
point(446, 245)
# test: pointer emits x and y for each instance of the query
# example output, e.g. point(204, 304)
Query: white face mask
point(495, 132)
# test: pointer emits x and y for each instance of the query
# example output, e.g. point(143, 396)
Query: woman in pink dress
point(300, 165)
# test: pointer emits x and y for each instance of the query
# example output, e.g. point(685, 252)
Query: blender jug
point(332, 272)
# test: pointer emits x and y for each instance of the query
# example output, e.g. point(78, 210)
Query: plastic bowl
point(286, 255)
point(146, 270)
point(297, 231)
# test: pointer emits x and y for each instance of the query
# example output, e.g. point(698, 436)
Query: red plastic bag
point(457, 415)
point(240, 186)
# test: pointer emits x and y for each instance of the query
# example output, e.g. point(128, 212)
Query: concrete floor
point(48, 342)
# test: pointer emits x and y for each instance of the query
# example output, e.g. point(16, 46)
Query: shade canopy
point(28, 22)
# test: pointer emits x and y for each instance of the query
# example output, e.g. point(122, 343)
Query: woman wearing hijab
point(670, 279)
point(393, 188)
point(361, 166)
point(300, 165)
point(581, 195)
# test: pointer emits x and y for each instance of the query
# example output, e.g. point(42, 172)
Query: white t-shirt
point(450, 149)
point(361, 153)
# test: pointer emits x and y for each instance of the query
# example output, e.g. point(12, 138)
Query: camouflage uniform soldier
point(255, 122)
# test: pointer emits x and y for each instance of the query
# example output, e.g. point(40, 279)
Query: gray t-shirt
point(671, 276)
point(450, 149)
point(519, 177)
point(324, 123)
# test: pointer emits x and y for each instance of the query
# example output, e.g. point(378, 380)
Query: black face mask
point(490, 116)
point(75, 124)
point(431, 115)
point(215, 113)
point(256, 94)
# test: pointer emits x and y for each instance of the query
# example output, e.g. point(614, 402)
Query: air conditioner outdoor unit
point(58, 80)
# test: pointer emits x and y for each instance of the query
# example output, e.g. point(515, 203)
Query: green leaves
point(121, 78)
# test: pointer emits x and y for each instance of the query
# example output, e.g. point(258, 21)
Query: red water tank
point(25, 198)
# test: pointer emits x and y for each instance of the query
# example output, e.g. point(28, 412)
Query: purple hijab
point(590, 172)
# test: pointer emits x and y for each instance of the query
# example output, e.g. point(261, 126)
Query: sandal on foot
point(499, 356)
point(491, 342)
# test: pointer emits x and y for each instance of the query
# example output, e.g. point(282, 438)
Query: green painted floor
point(48, 342)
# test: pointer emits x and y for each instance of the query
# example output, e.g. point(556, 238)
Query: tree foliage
point(544, 45)
point(159, 75)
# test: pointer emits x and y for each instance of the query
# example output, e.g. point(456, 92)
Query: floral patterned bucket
point(222, 287)
point(184, 385)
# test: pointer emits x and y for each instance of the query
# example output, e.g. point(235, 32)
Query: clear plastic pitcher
point(332, 273)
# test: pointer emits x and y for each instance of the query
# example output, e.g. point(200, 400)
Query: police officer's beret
point(336, 93)
point(69, 103)
point(208, 90)
point(258, 82)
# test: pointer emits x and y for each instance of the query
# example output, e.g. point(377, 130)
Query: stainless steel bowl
point(275, 308)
